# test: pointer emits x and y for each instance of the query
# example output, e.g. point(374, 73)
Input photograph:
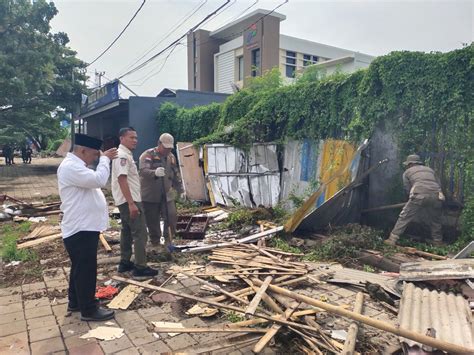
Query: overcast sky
point(371, 26)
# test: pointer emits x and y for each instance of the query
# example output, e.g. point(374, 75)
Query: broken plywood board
point(169, 327)
point(437, 270)
point(125, 298)
point(104, 333)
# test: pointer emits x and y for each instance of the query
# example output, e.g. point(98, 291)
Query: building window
point(256, 62)
point(315, 59)
point(290, 64)
point(194, 47)
point(241, 68)
point(306, 60)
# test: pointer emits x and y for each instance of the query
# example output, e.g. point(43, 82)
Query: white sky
point(369, 26)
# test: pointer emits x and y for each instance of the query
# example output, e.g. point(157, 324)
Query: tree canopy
point(40, 77)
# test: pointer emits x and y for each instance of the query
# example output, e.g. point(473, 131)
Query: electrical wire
point(243, 12)
point(119, 35)
point(140, 66)
point(177, 25)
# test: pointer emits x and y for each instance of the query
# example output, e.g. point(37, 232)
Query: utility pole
point(98, 77)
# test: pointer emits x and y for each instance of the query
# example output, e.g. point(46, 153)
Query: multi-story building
point(224, 59)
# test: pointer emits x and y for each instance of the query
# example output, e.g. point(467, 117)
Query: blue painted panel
point(309, 158)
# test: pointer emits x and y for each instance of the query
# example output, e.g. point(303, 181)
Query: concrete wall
point(143, 110)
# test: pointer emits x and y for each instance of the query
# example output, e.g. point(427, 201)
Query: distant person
point(85, 216)
point(127, 197)
point(23, 154)
point(424, 203)
point(160, 185)
point(7, 152)
point(29, 153)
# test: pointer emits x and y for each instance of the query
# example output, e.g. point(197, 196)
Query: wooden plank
point(125, 298)
point(223, 329)
point(437, 270)
point(38, 241)
point(104, 243)
point(258, 296)
point(266, 298)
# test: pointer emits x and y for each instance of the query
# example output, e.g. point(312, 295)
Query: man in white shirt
point(127, 197)
point(85, 216)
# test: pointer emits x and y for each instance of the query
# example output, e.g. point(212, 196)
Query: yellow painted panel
point(335, 157)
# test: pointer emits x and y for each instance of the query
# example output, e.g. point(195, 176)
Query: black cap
point(86, 141)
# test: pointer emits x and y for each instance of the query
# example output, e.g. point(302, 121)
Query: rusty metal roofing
point(448, 314)
point(437, 270)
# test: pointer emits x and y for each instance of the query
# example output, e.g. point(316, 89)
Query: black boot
point(99, 314)
point(144, 273)
point(125, 266)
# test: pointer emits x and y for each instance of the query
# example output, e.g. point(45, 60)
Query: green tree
point(40, 76)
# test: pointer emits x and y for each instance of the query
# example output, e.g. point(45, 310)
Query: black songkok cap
point(86, 141)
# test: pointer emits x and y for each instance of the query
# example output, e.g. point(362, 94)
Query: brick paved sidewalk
point(30, 181)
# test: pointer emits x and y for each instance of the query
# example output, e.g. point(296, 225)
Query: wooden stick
point(104, 243)
point(266, 298)
point(350, 343)
point(217, 288)
point(212, 303)
point(38, 241)
point(425, 254)
point(258, 296)
point(382, 208)
point(409, 334)
point(223, 329)
point(274, 329)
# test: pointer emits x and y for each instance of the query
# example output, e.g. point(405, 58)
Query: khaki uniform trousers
point(423, 208)
point(133, 232)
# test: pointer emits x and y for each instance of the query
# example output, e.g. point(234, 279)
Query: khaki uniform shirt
point(152, 186)
point(124, 165)
point(420, 179)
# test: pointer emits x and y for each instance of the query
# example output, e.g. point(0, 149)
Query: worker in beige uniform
point(126, 193)
point(424, 203)
point(160, 185)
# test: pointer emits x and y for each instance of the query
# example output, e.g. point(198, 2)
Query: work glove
point(441, 196)
point(160, 172)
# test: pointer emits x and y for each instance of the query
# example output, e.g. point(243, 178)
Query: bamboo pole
point(350, 343)
point(420, 338)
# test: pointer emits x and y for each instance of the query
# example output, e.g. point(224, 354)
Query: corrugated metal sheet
point(358, 277)
point(225, 72)
point(448, 314)
point(250, 179)
point(437, 270)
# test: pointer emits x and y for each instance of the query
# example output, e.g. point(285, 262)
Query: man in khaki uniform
point(126, 193)
point(425, 201)
point(160, 185)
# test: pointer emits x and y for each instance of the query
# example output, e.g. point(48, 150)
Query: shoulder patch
point(123, 161)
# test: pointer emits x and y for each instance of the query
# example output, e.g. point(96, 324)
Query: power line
point(243, 12)
point(177, 25)
point(140, 66)
point(119, 35)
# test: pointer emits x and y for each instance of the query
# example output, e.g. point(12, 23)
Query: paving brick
point(189, 282)
point(47, 346)
point(10, 291)
point(14, 344)
point(75, 341)
point(43, 333)
point(72, 318)
point(113, 346)
point(6, 300)
point(57, 284)
point(40, 302)
point(181, 341)
point(163, 317)
point(11, 317)
point(126, 316)
point(147, 312)
point(156, 347)
point(54, 274)
point(13, 328)
point(41, 322)
point(86, 349)
point(74, 329)
point(33, 287)
point(11, 308)
point(141, 337)
point(60, 310)
point(38, 312)
point(134, 325)
point(194, 322)
point(129, 351)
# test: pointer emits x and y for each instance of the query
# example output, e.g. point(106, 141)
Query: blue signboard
point(102, 96)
